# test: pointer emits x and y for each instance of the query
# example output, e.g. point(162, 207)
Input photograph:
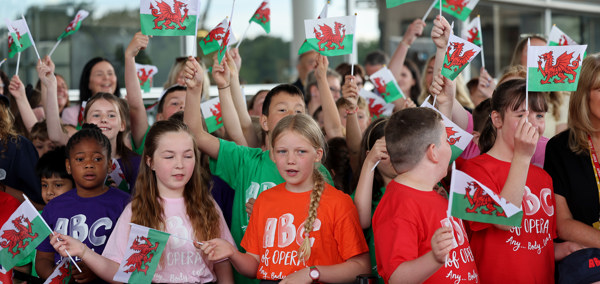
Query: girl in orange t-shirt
point(285, 241)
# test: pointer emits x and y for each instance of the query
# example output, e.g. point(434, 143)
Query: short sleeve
point(234, 163)
point(139, 149)
point(252, 237)
point(116, 246)
point(348, 233)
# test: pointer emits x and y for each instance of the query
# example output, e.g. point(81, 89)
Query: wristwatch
point(314, 274)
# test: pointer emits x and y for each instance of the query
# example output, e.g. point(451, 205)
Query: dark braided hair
point(89, 131)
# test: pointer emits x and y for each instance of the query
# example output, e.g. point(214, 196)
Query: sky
point(281, 16)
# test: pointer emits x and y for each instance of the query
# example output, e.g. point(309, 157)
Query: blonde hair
point(579, 107)
point(305, 126)
point(178, 67)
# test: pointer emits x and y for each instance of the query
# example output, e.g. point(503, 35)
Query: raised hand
point(414, 30)
point(62, 242)
point(237, 58)
point(440, 32)
point(16, 88)
point(526, 138)
point(443, 88)
point(221, 73)
point(486, 85)
point(138, 42)
point(322, 63)
point(46, 74)
point(193, 73)
point(350, 89)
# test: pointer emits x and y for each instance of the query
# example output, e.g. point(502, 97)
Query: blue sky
point(281, 25)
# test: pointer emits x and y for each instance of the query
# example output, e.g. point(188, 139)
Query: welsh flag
point(145, 246)
point(80, 115)
point(211, 110)
point(145, 74)
point(473, 201)
point(19, 37)
point(61, 274)
point(472, 31)
point(228, 39)
point(394, 3)
point(386, 85)
point(262, 16)
point(169, 17)
point(21, 234)
point(212, 41)
point(305, 46)
point(378, 107)
point(75, 24)
point(558, 37)
point(554, 68)
point(461, 9)
point(459, 54)
point(117, 176)
point(457, 137)
point(331, 36)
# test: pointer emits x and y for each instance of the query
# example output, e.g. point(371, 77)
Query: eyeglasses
point(532, 35)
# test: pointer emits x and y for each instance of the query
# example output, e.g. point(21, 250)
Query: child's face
point(445, 151)
point(54, 186)
point(174, 102)
point(88, 164)
point(511, 120)
point(43, 146)
point(173, 162)
point(282, 105)
point(295, 158)
point(62, 92)
point(364, 119)
point(106, 116)
point(406, 80)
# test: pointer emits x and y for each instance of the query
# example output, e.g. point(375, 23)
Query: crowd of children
point(303, 185)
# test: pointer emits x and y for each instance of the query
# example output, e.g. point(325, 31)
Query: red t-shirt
point(276, 230)
point(8, 204)
point(520, 255)
point(403, 225)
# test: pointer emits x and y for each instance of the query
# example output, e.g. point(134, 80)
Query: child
point(315, 238)
point(508, 142)
point(174, 196)
point(413, 237)
point(39, 138)
point(249, 171)
point(89, 212)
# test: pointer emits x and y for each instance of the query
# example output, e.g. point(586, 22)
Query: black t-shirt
point(18, 158)
point(573, 178)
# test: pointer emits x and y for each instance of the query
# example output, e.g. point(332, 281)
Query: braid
point(315, 198)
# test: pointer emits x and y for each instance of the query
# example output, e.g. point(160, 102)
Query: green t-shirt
point(248, 171)
point(139, 149)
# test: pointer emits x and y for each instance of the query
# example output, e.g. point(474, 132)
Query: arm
point(245, 263)
point(353, 132)
point(344, 272)
point(101, 266)
point(363, 197)
point(238, 99)
point(224, 272)
point(569, 229)
point(419, 269)
point(231, 121)
point(192, 114)
point(137, 111)
point(333, 124)
point(414, 30)
point(17, 90)
point(53, 122)
point(44, 263)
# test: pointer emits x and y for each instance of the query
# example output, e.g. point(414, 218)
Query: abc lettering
point(286, 232)
point(78, 228)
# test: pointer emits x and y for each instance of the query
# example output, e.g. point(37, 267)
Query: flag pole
point(450, 199)
point(527, 83)
point(243, 35)
point(18, 61)
point(31, 38)
point(2, 62)
point(440, 8)
point(428, 10)
point(481, 40)
point(352, 57)
point(54, 47)
point(44, 221)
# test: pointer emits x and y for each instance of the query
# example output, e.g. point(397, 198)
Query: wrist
point(351, 111)
point(223, 87)
point(402, 42)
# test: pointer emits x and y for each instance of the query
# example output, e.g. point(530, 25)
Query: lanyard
point(595, 163)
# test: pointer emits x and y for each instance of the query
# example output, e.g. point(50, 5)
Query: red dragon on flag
point(481, 200)
point(60, 278)
point(215, 34)
point(73, 24)
point(456, 59)
point(143, 74)
point(561, 68)
point(11, 40)
point(563, 40)
point(450, 132)
point(330, 37)
point(216, 112)
point(165, 13)
point(376, 110)
point(473, 35)
point(138, 261)
point(262, 13)
point(457, 5)
point(19, 238)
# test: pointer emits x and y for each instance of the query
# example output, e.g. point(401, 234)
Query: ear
point(122, 126)
point(314, 90)
point(496, 119)
point(263, 122)
point(149, 162)
point(432, 153)
point(68, 166)
point(319, 155)
point(160, 116)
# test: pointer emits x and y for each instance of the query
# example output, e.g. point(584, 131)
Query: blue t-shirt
point(90, 220)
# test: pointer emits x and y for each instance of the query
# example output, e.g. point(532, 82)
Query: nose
point(179, 163)
point(291, 159)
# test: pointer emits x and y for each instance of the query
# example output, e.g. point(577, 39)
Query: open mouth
point(89, 176)
point(291, 172)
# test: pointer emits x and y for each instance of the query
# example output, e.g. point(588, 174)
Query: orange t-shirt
point(276, 231)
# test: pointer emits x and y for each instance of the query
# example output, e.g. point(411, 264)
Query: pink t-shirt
point(71, 114)
point(180, 262)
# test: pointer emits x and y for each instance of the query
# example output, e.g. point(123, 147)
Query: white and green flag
point(144, 249)
point(472, 31)
point(461, 9)
point(19, 37)
point(473, 201)
point(211, 110)
point(75, 24)
point(457, 137)
point(554, 68)
point(378, 107)
point(305, 46)
point(212, 41)
point(262, 16)
point(61, 274)
point(386, 85)
point(558, 37)
point(145, 74)
point(394, 3)
point(331, 36)
point(21, 234)
point(169, 17)
point(459, 54)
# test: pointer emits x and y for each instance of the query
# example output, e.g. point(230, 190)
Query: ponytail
point(487, 137)
point(315, 199)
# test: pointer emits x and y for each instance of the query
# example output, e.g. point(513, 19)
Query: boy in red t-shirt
point(414, 240)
